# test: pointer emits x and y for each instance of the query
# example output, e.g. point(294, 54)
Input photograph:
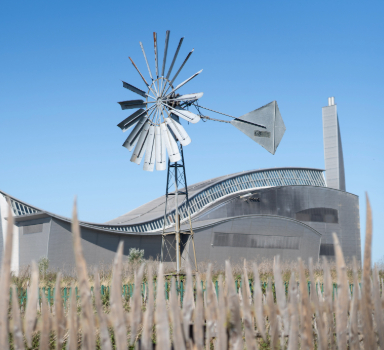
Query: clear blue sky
point(62, 63)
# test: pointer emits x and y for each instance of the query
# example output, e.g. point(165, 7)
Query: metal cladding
point(268, 116)
point(323, 209)
point(256, 237)
point(333, 150)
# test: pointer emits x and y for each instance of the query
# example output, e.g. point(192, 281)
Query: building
point(257, 214)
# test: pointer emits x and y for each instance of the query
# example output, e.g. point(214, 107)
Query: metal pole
point(193, 239)
point(177, 233)
point(165, 214)
point(187, 204)
point(162, 248)
point(166, 197)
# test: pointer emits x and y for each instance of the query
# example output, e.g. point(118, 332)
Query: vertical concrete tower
point(333, 150)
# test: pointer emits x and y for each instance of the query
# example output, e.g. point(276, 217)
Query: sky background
point(62, 63)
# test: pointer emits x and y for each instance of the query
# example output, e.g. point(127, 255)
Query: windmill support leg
point(162, 248)
point(177, 220)
point(193, 239)
point(194, 252)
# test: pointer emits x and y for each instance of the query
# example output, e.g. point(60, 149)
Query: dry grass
point(265, 270)
point(231, 320)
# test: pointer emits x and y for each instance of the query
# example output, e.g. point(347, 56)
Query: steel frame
point(176, 177)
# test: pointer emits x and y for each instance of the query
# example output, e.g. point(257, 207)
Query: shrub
point(136, 255)
point(43, 265)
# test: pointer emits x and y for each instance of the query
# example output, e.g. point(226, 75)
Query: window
point(241, 240)
point(328, 215)
point(32, 229)
point(222, 239)
point(327, 249)
point(21, 209)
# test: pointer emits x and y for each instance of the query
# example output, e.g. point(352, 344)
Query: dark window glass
point(327, 249)
point(32, 229)
point(241, 240)
point(221, 239)
point(328, 215)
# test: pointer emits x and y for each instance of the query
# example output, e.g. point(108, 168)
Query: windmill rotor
point(157, 122)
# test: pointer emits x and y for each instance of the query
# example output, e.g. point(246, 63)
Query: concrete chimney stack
point(333, 150)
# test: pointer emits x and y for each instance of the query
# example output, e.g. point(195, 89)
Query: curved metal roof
point(150, 216)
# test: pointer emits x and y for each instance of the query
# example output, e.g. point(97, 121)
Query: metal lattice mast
point(177, 180)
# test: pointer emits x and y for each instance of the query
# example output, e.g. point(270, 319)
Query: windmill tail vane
point(157, 122)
